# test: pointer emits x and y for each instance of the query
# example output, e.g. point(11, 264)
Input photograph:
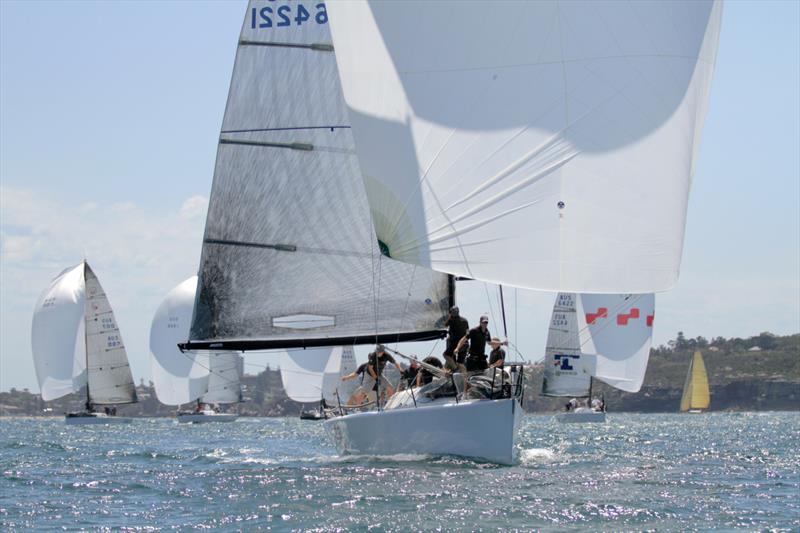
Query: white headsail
point(74, 326)
point(109, 374)
point(312, 374)
point(184, 377)
point(618, 330)
point(224, 378)
point(567, 370)
point(58, 335)
point(289, 254)
point(547, 145)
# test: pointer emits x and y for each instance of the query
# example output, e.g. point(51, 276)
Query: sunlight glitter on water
point(725, 471)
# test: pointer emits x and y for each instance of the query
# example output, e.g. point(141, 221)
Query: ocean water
point(722, 471)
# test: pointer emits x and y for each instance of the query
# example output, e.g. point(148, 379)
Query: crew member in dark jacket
point(457, 327)
point(377, 360)
point(477, 338)
point(497, 356)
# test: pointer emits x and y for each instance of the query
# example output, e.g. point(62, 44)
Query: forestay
point(618, 330)
point(547, 145)
point(567, 371)
point(289, 255)
point(184, 377)
point(109, 374)
point(58, 337)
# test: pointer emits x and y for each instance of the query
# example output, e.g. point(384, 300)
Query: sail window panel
point(109, 374)
point(629, 82)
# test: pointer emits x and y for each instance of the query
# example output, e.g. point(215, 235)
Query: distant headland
point(760, 373)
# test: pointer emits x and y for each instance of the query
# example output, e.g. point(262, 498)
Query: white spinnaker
point(567, 371)
point(178, 377)
point(109, 374)
point(308, 374)
point(57, 335)
point(224, 378)
point(618, 330)
point(547, 145)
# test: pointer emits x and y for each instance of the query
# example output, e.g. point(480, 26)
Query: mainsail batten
point(288, 230)
point(556, 154)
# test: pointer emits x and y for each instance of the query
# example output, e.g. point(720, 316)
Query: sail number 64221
point(283, 16)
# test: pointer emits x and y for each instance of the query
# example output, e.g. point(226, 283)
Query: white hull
point(482, 429)
point(204, 418)
point(95, 418)
point(581, 416)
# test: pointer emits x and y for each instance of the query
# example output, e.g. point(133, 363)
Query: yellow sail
point(696, 394)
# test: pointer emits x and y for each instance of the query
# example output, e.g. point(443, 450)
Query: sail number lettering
point(112, 341)
point(283, 16)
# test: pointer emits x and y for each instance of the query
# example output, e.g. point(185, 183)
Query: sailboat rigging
point(322, 236)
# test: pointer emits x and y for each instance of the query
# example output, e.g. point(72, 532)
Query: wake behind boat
point(204, 416)
point(76, 342)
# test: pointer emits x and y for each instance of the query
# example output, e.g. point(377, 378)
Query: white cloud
point(194, 207)
point(139, 255)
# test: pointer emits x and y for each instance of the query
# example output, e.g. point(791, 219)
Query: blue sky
point(109, 116)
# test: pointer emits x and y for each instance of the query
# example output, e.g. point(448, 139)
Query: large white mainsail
point(289, 254)
point(618, 330)
point(184, 377)
point(74, 329)
point(567, 370)
point(547, 145)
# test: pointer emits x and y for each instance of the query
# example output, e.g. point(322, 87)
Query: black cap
point(454, 310)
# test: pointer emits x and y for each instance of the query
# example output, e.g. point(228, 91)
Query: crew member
point(425, 376)
point(457, 327)
point(498, 355)
point(477, 338)
point(410, 373)
point(377, 361)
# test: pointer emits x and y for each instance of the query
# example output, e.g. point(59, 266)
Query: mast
point(503, 311)
point(86, 344)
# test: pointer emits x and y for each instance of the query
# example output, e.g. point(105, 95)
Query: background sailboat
point(76, 341)
point(179, 378)
point(696, 394)
point(311, 376)
point(602, 336)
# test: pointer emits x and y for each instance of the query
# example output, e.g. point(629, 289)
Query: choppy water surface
point(725, 471)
